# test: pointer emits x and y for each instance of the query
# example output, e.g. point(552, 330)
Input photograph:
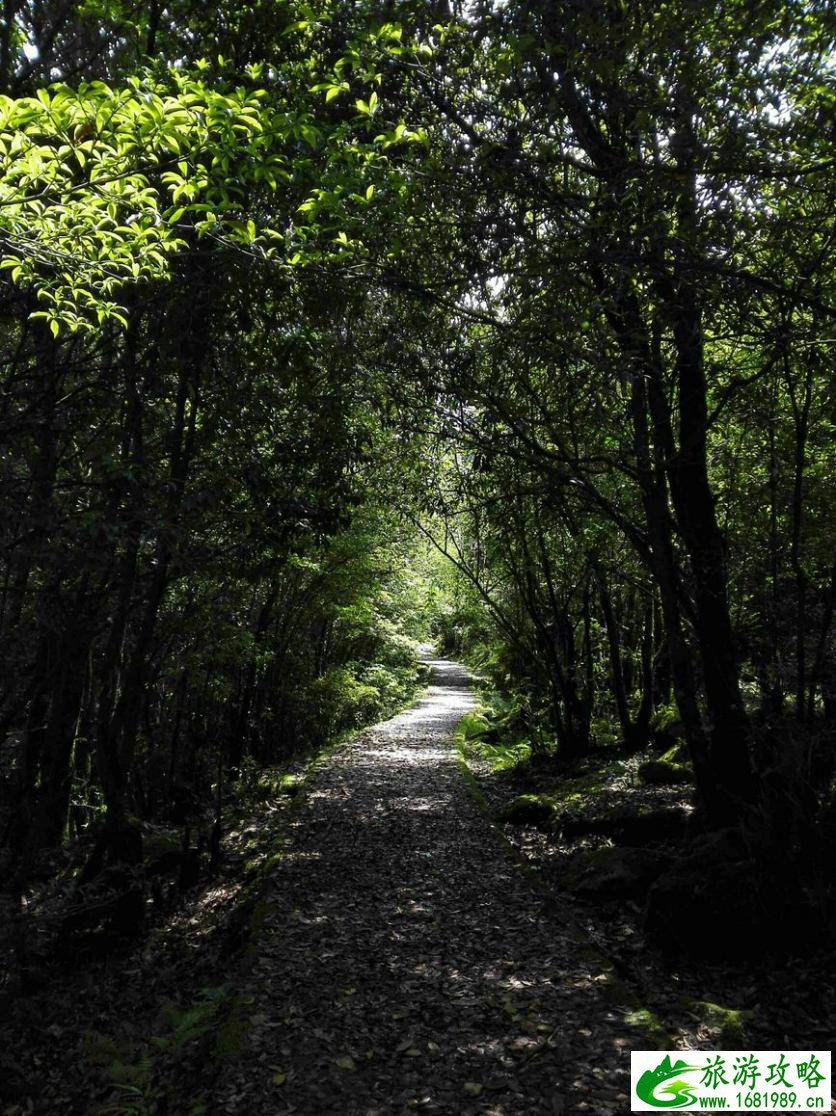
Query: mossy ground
point(693, 1004)
point(730, 1024)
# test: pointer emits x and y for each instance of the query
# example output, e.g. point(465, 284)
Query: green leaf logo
point(673, 1094)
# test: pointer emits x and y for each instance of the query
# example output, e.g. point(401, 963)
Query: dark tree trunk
point(693, 502)
point(616, 668)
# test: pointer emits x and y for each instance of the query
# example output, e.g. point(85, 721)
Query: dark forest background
point(332, 327)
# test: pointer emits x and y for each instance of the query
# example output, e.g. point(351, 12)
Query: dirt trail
point(407, 963)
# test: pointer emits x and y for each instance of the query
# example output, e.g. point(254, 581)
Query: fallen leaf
point(472, 1088)
point(346, 1063)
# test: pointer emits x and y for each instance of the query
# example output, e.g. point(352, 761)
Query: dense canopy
point(328, 327)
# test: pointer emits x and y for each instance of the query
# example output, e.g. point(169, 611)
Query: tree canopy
point(298, 298)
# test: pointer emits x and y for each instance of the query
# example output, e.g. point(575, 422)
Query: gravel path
point(407, 963)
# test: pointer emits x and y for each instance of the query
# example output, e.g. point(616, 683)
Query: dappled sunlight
point(409, 963)
point(296, 855)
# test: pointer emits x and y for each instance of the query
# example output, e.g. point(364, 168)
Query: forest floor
point(405, 961)
point(756, 1001)
point(372, 947)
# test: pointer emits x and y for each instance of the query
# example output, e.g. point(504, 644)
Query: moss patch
point(660, 773)
point(579, 786)
point(291, 785)
point(729, 1023)
point(528, 809)
point(678, 755)
point(643, 1019)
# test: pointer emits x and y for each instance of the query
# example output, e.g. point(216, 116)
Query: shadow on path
point(407, 963)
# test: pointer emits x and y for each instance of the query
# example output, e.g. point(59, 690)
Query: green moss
point(642, 1019)
point(528, 809)
point(729, 1023)
point(579, 786)
point(651, 1030)
point(501, 756)
point(677, 755)
point(291, 785)
point(264, 862)
point(272, 862)
point(252, 866)
point(659, 773)
point(570, 799)
point(664, 716)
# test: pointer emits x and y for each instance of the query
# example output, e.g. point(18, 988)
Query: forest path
point(407, 963)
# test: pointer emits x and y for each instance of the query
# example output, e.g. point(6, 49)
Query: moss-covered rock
point(666, 730)
point(678, 754)
point(291, 785)
point(536, 810)
point(661, 773)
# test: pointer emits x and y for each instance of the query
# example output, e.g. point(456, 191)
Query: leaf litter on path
point(423, 969)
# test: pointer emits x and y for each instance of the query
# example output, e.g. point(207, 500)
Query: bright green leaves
point(101, 187)
point(97, 185)
point(367, 108)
